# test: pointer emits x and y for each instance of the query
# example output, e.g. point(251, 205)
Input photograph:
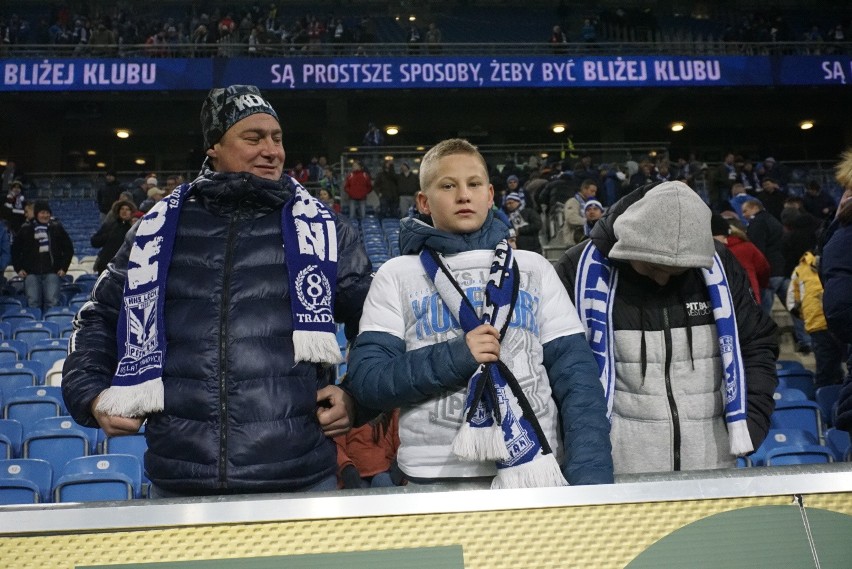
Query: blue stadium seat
point(47, 352)
point(65, 422)
point(25, 481)
point(780, 438)
point(32, 332)
point(7, 301)
point(788, 394)
point(77, 301)
point(99, 478)
point(12, 350)
point(5, 331)
point(803, 380)
point(86, 281)
point(29, 404)
point(788, 365)
point(11, 435)
point(838, 442)
point(804, 415)
point(59, 315)
point(810, 454)
point(15, 376)
point(826, 397)
point(21, 313)
point(34, 371)
point(56, 446)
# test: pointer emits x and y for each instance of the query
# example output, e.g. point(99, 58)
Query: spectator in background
point(107, 194)
point(110, 236)
point(10, 173)
point(366, 455)
point(155, 194)
point(409, 185)
point(593, 210)
point(5, 251)
point(386, 185)
point(41, 255)
point(739, 195)
point(772, 196)
point(558, 40)
point(13, 212)
point(804, 301)
point(433, 39)
point(767, 234)
point(574, 212)
point(817, 202)
point(644, 176)
point(752, 260)
point(357, 186)
point(526, 223)
point(656, 316)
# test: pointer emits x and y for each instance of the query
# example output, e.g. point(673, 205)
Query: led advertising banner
point(456, 72)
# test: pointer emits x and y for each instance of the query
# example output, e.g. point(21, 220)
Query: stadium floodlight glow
point(392, 129)
point(544, 155)
point(122, 133)
point(559, 128)
point(139, 161)
point(389, 158)
point(353, 149)
point(806, 124)
point(101, 164)
point(677, 126)
point(91, 153)
point(412, 18)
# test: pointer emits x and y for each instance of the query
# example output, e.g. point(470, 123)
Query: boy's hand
point(484, 343)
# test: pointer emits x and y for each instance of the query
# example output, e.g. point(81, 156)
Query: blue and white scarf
point(499, 424)
point(310, 243)
point(594, 290)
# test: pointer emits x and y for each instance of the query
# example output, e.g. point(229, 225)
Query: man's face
point(512, 185)
point(512, 205)
point(252, 145)
point(43, 216)
point(589, 191)
point(593, 213)
point(459, 196)
point(124, 213)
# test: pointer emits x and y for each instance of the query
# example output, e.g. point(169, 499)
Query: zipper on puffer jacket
point(223, 359)
point(667, 334)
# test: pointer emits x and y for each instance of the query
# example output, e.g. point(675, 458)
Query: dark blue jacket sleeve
point(383, 376)
point(836, 274)
point(579, 395)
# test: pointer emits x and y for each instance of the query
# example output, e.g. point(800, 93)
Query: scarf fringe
point(542, 472)
point(739, 438)
point(480, 443)
point(317, 347)
point(132, 400)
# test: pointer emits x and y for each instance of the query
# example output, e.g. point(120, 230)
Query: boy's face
point(459, 196)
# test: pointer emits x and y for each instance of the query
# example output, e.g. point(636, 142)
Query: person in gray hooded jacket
point(687, 357)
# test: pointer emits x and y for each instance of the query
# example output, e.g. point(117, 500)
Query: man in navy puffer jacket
point(240, 414)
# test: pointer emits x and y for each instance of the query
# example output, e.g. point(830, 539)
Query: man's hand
point(335, 410)
point(115, 426)
point(22, 273)
point(484, 343)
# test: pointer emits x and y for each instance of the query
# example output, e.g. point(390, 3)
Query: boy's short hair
point(446, 148)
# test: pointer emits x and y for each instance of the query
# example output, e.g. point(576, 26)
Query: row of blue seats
point(802, 425)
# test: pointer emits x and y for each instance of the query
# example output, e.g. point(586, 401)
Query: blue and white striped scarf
point(594, 289)
point(310, 243)
point(499, 424)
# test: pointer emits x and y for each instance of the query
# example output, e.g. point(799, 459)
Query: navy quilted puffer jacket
point(239, 415)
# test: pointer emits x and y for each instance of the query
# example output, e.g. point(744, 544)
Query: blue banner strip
point(457, 72)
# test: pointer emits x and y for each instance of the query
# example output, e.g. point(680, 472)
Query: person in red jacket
point(366, 455)
point(358, 186)
point(749, 256)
